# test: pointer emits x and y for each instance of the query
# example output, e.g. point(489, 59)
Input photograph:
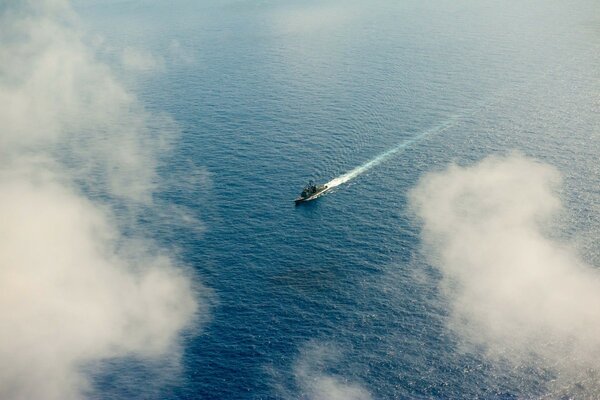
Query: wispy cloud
point(314, 380)
point(523, 296)
point(141, 60)
point(74, 289)
point(312, 18)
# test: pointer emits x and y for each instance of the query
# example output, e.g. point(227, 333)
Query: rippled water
point(269, 94)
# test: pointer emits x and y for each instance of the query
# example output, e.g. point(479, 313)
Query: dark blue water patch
point(260, 112)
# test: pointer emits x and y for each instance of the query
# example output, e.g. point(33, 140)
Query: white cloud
point(522, 296)
point(59, 97)
point(74, 290)
point(317, 384)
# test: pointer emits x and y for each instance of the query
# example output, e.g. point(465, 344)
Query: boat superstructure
point(310, 192)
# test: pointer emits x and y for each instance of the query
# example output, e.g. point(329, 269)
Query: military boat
point(311, 192)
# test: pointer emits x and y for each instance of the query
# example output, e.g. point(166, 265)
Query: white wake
point(384, 156)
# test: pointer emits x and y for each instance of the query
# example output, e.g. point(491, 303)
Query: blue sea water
point(269, 94)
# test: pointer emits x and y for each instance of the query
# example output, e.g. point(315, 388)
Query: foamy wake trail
point(384, 156)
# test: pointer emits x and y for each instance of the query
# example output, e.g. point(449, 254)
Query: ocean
point(339, 294)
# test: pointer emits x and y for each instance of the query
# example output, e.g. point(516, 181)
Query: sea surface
point(269, 94)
